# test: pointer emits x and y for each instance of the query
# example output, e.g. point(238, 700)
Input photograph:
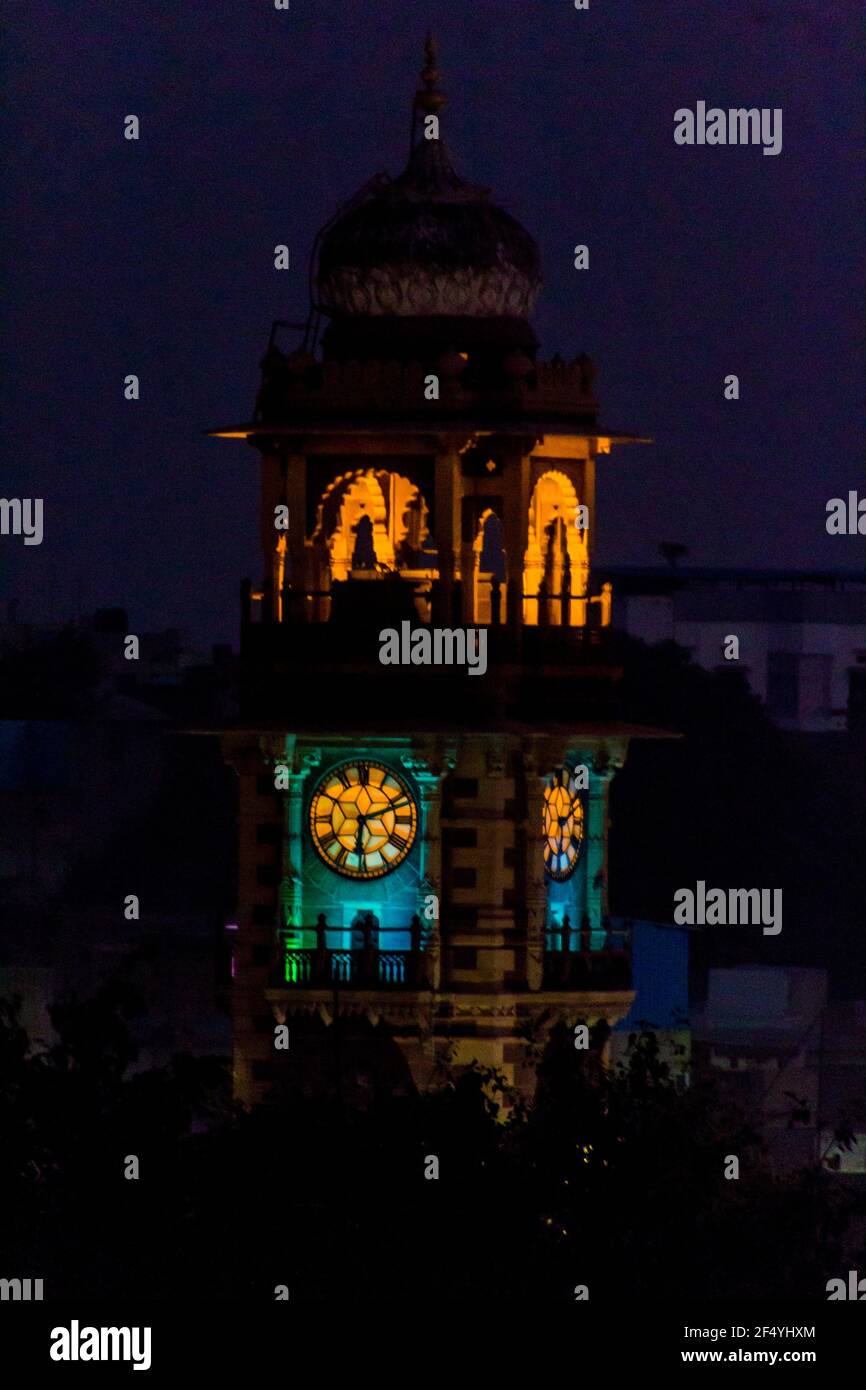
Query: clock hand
point(358, 834)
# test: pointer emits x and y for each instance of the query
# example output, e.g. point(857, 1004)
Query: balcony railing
point(591, 960)
point(364, 969)
point(588, 960)
point(586, 970)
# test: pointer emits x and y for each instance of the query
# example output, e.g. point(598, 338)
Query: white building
point(801, 634)
point(795, 1060)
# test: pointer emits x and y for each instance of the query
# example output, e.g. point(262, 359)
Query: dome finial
point(429, 98)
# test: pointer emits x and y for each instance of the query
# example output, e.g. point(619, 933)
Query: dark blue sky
point(156, 258)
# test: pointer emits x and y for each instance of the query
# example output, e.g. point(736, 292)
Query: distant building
point(83, 669)
point(794, 1059)
point(99, 800)
point(176, 963)
point(802, 634)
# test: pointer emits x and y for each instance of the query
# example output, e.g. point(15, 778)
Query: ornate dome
point(426, 244)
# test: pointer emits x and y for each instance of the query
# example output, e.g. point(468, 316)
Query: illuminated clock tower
point(423, 847)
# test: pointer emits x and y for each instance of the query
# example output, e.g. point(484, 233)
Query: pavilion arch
point(483, 578)
point(392, 504)
point(408, 513)
point(551, 535)
point(345, 501)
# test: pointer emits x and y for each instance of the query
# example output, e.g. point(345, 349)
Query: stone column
point(449, 492)
point(601, 769)
point(300, 766)
point(469, 558)
point(296, 547)
point(515, 529)
point(272, 493)
point(606, 604)
point(589, 499)
point(428, 774)
point(536, 878)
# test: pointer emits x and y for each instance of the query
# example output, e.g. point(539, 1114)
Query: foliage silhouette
point(612, 1177)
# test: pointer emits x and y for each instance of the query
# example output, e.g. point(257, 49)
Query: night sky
point(156, 258)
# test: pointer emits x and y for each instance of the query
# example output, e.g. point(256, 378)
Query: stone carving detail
point(476, 1010)
point(392, 385)
point(497, 292)
point(604, 762)
point(428, 770)
point(534, 957)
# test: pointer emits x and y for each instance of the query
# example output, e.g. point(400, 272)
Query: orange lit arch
point(345, 501)
point(552, 533)
point(394, 506)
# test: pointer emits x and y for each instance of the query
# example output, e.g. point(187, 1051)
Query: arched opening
point(488, 571)
point(395, 528)
point(371, 523)
point(556, 564)
point(349, 500)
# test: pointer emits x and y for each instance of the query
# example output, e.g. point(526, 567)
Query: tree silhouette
point(612, 1177)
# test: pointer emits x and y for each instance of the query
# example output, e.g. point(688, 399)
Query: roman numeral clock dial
point(363, 820)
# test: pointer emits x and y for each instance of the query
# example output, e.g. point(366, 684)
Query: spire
point(429, 172)
point(429, 99)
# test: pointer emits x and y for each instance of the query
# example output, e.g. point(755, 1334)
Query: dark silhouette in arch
point(364, 553)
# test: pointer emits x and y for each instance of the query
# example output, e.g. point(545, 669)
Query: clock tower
point(428, 724)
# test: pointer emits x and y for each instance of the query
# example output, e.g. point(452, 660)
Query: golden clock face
point(562, 820)
point(363, 820)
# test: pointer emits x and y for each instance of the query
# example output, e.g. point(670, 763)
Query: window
point(464, 788)
point(799, 687)
point(464, 958)
point(456, 837)
point(462, 878)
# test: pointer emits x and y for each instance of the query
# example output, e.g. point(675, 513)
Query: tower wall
point(474, 875)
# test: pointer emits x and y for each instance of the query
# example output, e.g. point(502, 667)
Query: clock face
point(562, 820)
point(363, 820)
